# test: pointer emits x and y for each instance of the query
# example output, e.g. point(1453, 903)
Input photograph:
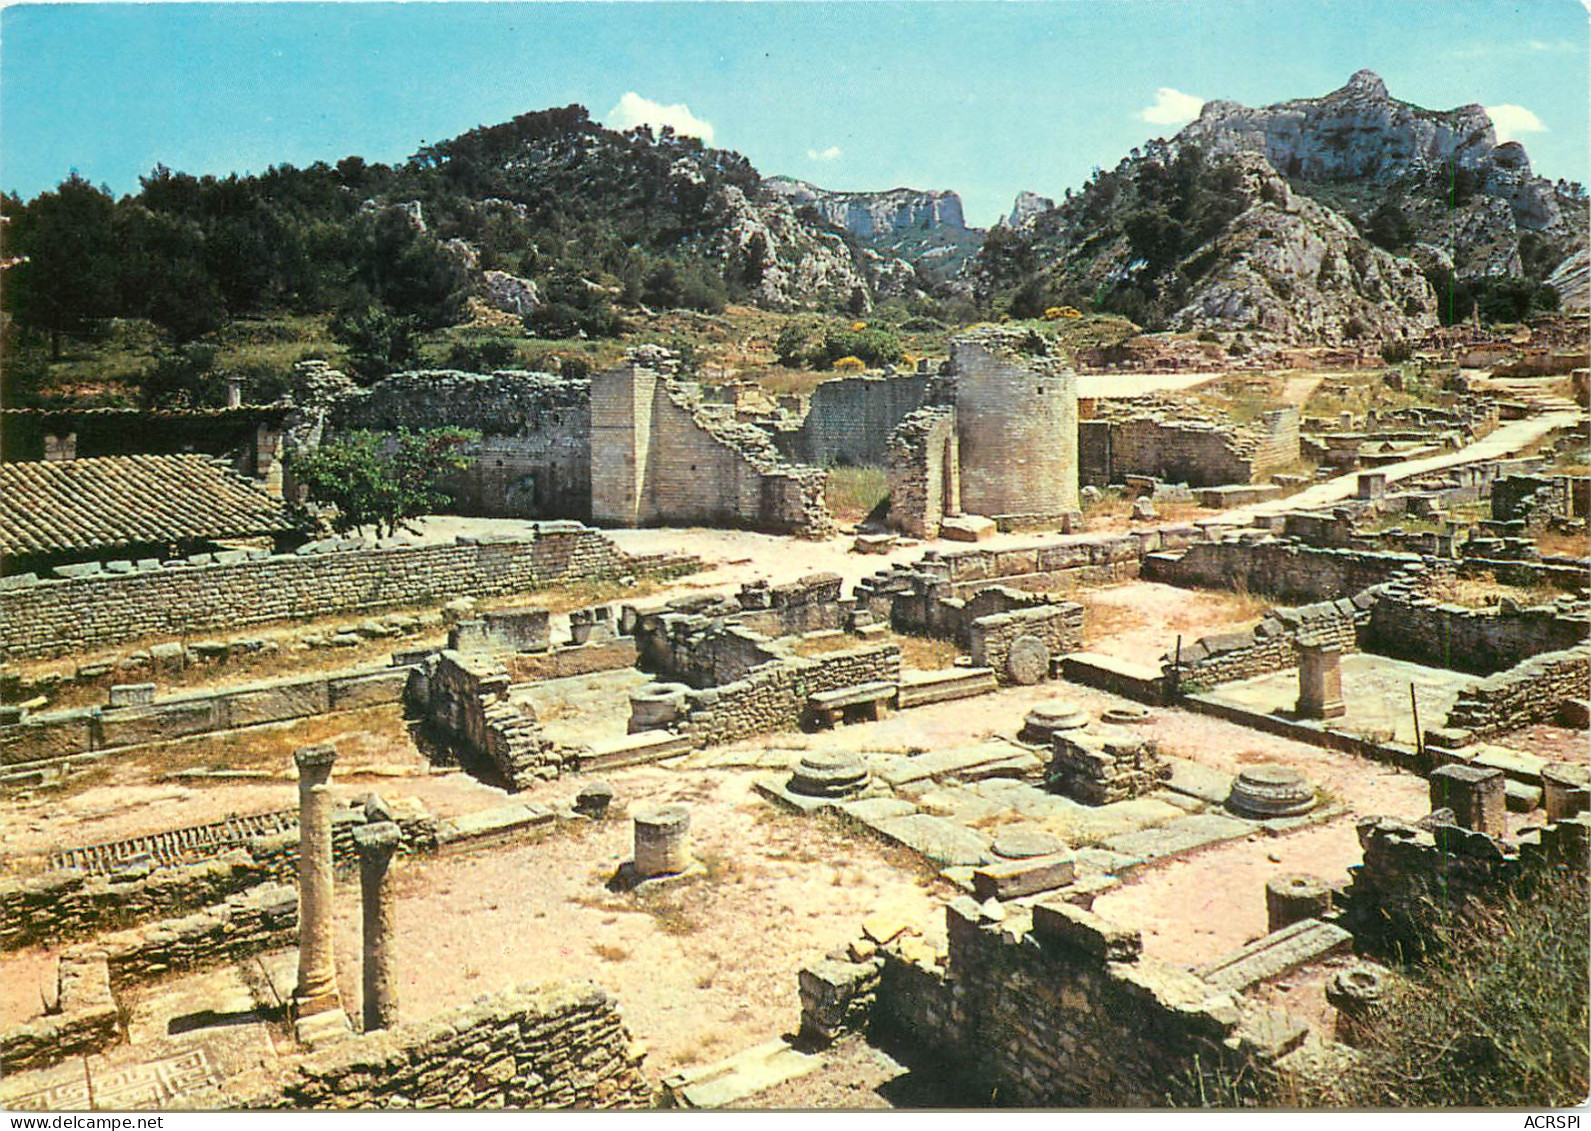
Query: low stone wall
point(85, 1020)
point(63, 733)
point(1409, 871)
point(1286, 570)
point(558, 1046)
point(52, 618)
point(571, 660)
point(1409, 626)
point(774, 696)
point(465, 698)
point(1059, 627)
point(1523, 695)
point(63, 905)
point(1167, 446)
point(262, 918)
point(1271, 645)
point(1055, 1007)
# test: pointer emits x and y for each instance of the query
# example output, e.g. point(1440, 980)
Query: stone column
point(376, 843)
point(1476, 795)
point(662, 841)
point(317, 964)
point(1320, 680)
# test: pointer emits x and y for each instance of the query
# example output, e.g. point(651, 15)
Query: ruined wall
point(554, 1046)
point(849, 420)
point(1058, 627)
point(1538, 499)
point(1286, 570)
point(534, 457)
point(1058, 1008)
point(1523, 695)
point(1271, 645)
point(774, 697)
point(922, 463)
point(1409, 626)
point(1164, 443)
point(52, 618)
point(262, 918)
point(465, 699)
point(62, 734)
point(659, 455)
point(1016, 429)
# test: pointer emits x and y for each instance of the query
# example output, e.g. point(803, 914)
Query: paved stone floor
point(1374, 688)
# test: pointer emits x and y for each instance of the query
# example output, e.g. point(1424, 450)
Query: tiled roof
point(52, 507)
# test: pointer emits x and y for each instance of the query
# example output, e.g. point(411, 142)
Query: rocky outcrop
point(795, 264)
point(1572, 281)
point(509, 293)
point(1029, 206)
point(1295, 269)
point(871, 215)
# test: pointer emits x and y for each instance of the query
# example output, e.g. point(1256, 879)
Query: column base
point(1335, 709)
point(315, 1030)
point(309, 1005)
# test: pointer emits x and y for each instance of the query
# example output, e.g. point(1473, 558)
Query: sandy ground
point(1141, 620)
point(701, 970)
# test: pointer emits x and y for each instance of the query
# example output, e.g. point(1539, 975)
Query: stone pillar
point(1292, 898)
point(1320, 680)
point(1372, 484)
point(1477, 796)
point(1566, 789)
point(662, 841)
point(377, 842)
point(317, 964)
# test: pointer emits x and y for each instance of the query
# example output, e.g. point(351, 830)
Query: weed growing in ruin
point(608, 952)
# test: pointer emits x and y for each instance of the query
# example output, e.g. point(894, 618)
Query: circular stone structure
point(1357, 993)
point(662, 841)
point(1050, 716)
point(1270, 791)
point(594, 799)
point(656, 705)
point(836, 773)
point(1024, 844)
point(1028, 661)
point(1126, 716)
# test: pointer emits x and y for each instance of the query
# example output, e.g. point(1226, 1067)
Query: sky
point(986, 98)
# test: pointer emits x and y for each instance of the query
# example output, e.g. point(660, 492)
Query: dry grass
point(927, 653)
point(853, 492)
point(1556, 544)
point(1484, 589)
point(372, 736)
point(609, 952)
point(828, 644)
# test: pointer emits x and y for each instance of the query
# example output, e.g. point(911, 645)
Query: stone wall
point(1102, 765)
point(1536, 500)
point(1166, 445)
point(774, 696)
point(1059, 627)
point(262, 918)
point(534, 456)
point(1286, 570)
point(62, 734)
point(1271, 645)
point(661, 456)
point(464, 696)
point(1055, 1007)
point(923, 465)
point(1410, 871)
point(849, 420)
point(51, 618)
point(1523, 695)
point(1409, 626)
point(64, 905)
point(85, 1020)
point(554, 1046)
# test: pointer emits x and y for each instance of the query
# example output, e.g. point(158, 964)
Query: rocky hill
point(1319, 219)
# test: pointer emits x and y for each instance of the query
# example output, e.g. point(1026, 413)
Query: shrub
point(383, 481)
point(1057, 312)
point(872, 346)
point(1396, 351)
point(483, 355)
point(849, 365)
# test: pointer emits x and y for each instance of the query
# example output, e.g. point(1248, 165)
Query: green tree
point(68, 279)
point(384, 480)
point(379, 342)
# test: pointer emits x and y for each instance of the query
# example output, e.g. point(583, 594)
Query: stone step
point(944, 842)
point(918, 689)
point(1303, 942)
point(1180, 836)
point(959, 761)
point(1109, 673)
point(740, 1076)
point(489, 825)
point(634, 749)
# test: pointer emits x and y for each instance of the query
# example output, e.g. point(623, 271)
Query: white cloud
point(1510, 121)
point(832, 153)
point(1172, 108)
point(632, 110)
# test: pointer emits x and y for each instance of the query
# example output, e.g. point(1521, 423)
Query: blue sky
point(985, 98)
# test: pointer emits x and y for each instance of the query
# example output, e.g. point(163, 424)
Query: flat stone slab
point(941, 841)
point(853, 696)
point(959, 804)
point(918, 689)
point(1298, 944)
point(1198, 781)
point(491, 823)
point(958, 760)
point(871, 810)
point(741, 1076)
point(1101, 824)
point(1515, 764)
point(967, 528)
point(1104, 862)
point(776, 788)
point(1012, 879)
point(1180, 836)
